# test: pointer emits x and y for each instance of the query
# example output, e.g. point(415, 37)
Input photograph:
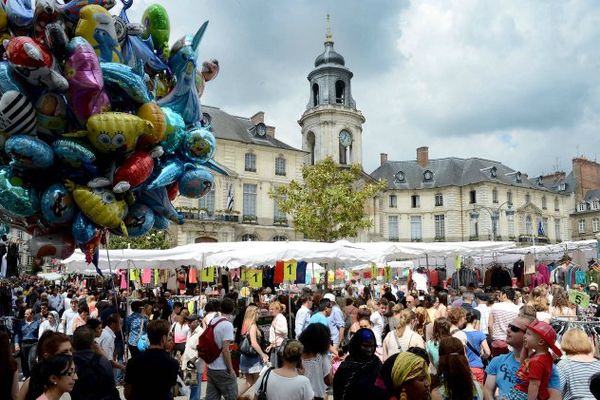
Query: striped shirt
point(575, 378)
point(503, 313)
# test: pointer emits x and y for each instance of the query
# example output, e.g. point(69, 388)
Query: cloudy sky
point(514, 81)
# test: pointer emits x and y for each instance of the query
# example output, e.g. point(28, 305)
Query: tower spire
point(328, 34)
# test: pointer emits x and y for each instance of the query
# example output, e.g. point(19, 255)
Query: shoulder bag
point(261, 394)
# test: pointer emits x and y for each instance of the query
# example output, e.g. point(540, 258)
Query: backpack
point(93, 383)
point(208, 350)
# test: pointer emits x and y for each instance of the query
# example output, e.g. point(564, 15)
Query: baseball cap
point(329, 296)
point(546, 332)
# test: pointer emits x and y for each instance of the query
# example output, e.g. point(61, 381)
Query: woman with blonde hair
point(576, 369)
point(539, 301)
point(560, 304)
point(403, 337)
point(278, 331)
point(253, 358)
point(421, 320)
point(441, 329)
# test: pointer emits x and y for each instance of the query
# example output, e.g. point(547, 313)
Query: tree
point(152, 240)
point(329, 204)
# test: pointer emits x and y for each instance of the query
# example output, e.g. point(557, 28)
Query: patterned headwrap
point(408, 366)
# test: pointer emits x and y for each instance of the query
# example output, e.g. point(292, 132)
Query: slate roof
point(592, 195)
point(451, 171)
point(554, 185)
point(239, 129)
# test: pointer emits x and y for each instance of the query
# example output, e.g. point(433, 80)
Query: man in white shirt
point(190, 355)
point(303, 315)
point(222, 380)
point(106, 341)
point(379, 322)
point(502, 313)
point(55, 300)
point(68, 316)
point(482, 307)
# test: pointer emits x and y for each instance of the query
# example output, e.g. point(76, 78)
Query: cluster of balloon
point(100, 122)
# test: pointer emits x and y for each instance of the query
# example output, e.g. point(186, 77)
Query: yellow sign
point(373, 271)
point(580, 298)
point(388, 273)
point(330, 276)
point(255, 278)
point(207, 274)
point(289, 270)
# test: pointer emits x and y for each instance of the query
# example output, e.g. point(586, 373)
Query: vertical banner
point(255, 278)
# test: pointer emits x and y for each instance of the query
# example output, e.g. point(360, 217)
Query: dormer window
point(540, 181)
point(596, 205)
point(562, 187)
point(494, 172)
point(399, 177)
point(260, 130)
point(518, 177)
point(206, 119)
point(427, 176)
point(582, 206)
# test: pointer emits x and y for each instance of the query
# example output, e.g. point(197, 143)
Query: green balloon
point(17, 200)
point(156, 21)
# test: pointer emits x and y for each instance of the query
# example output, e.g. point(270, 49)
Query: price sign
point(388, 273)
point(373, 271)
point(207, 274)
point(255, 278)
point(289, 270)
point(330, 276)
point(579, 298)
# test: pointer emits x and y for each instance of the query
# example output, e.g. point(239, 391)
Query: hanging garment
point(529, 263)
point(278, 274)
point(193, 275)
point(123, 279)
point(225, 279)
point(301, 272)
point(147, 276)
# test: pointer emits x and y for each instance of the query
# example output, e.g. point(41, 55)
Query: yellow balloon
point(100, 205)
point(115, 131)
point(153, 113)
point(3, 20)
point(97, 26)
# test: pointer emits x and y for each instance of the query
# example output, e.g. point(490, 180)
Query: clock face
point(345, 138)
point(261, 129)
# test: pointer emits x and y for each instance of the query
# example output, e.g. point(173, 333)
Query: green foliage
point(330, 203)
point(158, 240)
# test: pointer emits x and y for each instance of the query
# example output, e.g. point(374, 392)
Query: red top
point(537, 367)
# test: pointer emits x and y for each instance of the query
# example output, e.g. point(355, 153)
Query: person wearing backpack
point(221, 376)
point(95, 379)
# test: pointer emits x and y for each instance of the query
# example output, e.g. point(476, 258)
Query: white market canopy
point(235, 254)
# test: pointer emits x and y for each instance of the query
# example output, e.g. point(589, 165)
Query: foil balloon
point(45, 12)
point(17, 200)
point(156, 21)
point(131, 81)
point(158, 201)
point(210, 70)
point(169, 173)
point(139, 220)
point(74, 154)
point(134, 171)
point(112, 132)
point(51, 116)
point(184, 97)
point(198, 145)
point(173, 191)
point(100, 205)
point(58, 245)
point(174, 132)
point(57, 205)
point(19, 13)
point(7, 79)
point(153, 113)
point(96, 25)
point(56, 39)
point(16, 114)
point(35, 64)
point(86, 84)
point(160, 222)
point(72, 9)
point(29, 152)
point(83, 229)
point(196, 182)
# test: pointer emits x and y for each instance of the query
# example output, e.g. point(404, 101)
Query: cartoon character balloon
point(158, 27)
point(96, 25)
point(57, 205)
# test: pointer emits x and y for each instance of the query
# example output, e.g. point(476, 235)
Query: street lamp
point(494, 215)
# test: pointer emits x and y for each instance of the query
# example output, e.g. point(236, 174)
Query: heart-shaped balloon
point(17, 114)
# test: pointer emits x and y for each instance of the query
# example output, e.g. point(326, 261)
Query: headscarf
point(408, 366)
point(56, 320)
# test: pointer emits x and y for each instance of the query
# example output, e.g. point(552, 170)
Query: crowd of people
point(353, 342)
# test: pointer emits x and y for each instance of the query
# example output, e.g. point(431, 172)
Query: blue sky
point(514, 81)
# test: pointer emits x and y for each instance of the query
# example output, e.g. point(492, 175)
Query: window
point(581, 226)
point(510, 223)
point(427, 176)
point(494, 195)
point(310, 144)
point(415, 228)
point(393, 201)
point(280, 166)
point(415, 201)
point(440, 229)
point(595, 205)
point(249, 200)
point(473, 197)
point(494, 172)
point(248, 237)
point(340, 88)
point(250, 162)
point(278, 215)
point(562, 187)
point(315, 94)
point(556, 208)
point(280, 238)
point(528, 225)
point(439, 200)
point(544, 227)
point(527, 198)
point(595, 225)
point(345, 152)
point(557, 229)
point(518, 177)
point(393, 227)
point(509, 196)
point(544, 203)
point(399, 177)
point(208, 201)
point(582, 206)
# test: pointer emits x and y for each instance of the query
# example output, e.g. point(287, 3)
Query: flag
point(230, 198)
point(541, 229)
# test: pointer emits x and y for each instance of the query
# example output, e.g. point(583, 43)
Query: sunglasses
point(516, 329)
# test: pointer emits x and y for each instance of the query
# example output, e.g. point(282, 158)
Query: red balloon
point(173, 190)
point(133, 172)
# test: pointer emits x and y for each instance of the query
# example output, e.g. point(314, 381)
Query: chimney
point(423, 156)
point(382, 158)
point(257, 118)
point(271, 131)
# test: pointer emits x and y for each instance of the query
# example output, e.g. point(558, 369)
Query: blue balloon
point(83, 229)
point(139, 220)
point(158, 201)
point(17, 200)
point(198, 145)
point(195, 183)
point(29, 152)
point(19, 13)
point(175, 131)
point(161, 223)
point(7, 80)
point(74, 154)
point(129, 80)
point(168, 174)
point(57, 204)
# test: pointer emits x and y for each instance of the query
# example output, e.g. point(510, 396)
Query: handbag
point(261, 394)
point(143, 342)
point(246, 347)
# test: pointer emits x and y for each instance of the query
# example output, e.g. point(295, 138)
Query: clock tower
point(331, 124)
